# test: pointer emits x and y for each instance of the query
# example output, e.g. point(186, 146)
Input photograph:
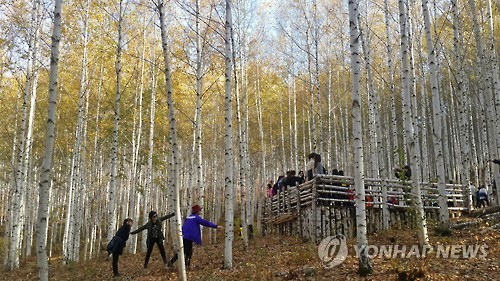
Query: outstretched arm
point(206, 223)
point(166, 217)
point(139, 229)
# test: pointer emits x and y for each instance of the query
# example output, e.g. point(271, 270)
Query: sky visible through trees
point(428, 93)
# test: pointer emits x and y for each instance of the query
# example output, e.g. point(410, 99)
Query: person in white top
point(310, 166)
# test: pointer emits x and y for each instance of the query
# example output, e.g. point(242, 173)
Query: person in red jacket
point(191, 233)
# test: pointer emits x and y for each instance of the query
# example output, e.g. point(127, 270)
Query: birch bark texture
point(114, 148)
point(228, 142)
point(174, 150)
point(18, 199)
point(45, 178)
point(364, 266)
point(437, 118)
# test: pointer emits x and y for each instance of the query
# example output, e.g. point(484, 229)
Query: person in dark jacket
point(291, 179)
point(191, 233)
point(116, 245)
point(155, 235)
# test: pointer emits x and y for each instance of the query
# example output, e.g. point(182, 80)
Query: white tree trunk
point(495, 100)
point(150, 171)
point(437, 113)
point(200, 184)
point(485, 95)
point(394, 147)
point(261, 130)
point(364, 266)
point(18, 197)
point(411, 144)
point(112, 184)
point(137, 140)
point(463, 112)
point(43, 207)
point(70, 249)
point(174, 150)
point(228, 141)
point(241, 142)
point(27, 219)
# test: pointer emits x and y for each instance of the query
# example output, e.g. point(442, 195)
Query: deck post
point(299, 215)
point(288, 200)
point(314, 195)
point(385, 210)
point(278, 201)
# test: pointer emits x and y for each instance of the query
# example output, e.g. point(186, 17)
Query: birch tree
point(45, 178)
point(19, 192)
point(174, 150)
point(411, 144)
point(364, 266)
point(437, 118)
point(137, 136)
point(228, 142)
point(72, 225)
point(27, 218)
point(259, 110)
point(486, 112)
point(390, 69)
point(118, 69)
point(463, 113)
point(241, 142)
point(149, 171)
point(200, 54)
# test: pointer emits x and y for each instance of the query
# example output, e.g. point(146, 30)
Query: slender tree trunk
point(137, 140)
point(261, 130)
point(27, 219)
point(495, 99)
point(463, 113)
point(373, 113)
point(484, 93)
point(228, 185)
point(241, 150)
point(150, 170)
point(282, 138)
point(198, 115)
point(495, 70)
point(44, 185)
point(437, 113)
point(112, 196)
point(411, 147)
point(390, 66)
point(405, 75)
point(70, 249)
point(174, 150)
point(364, 266)
point(18, 197)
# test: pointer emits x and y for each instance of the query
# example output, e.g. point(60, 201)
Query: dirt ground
point(289, 258)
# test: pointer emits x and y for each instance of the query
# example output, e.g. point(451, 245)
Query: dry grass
point(289, 258)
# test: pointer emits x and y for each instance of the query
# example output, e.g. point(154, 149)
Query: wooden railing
point(338, 191)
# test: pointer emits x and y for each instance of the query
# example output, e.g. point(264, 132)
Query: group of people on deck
point(283, 182)
point(291, 178)
point(190, 231)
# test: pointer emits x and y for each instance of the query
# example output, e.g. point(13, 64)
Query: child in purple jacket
point(191, 233)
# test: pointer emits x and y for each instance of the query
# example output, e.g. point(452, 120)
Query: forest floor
point(290, 258)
